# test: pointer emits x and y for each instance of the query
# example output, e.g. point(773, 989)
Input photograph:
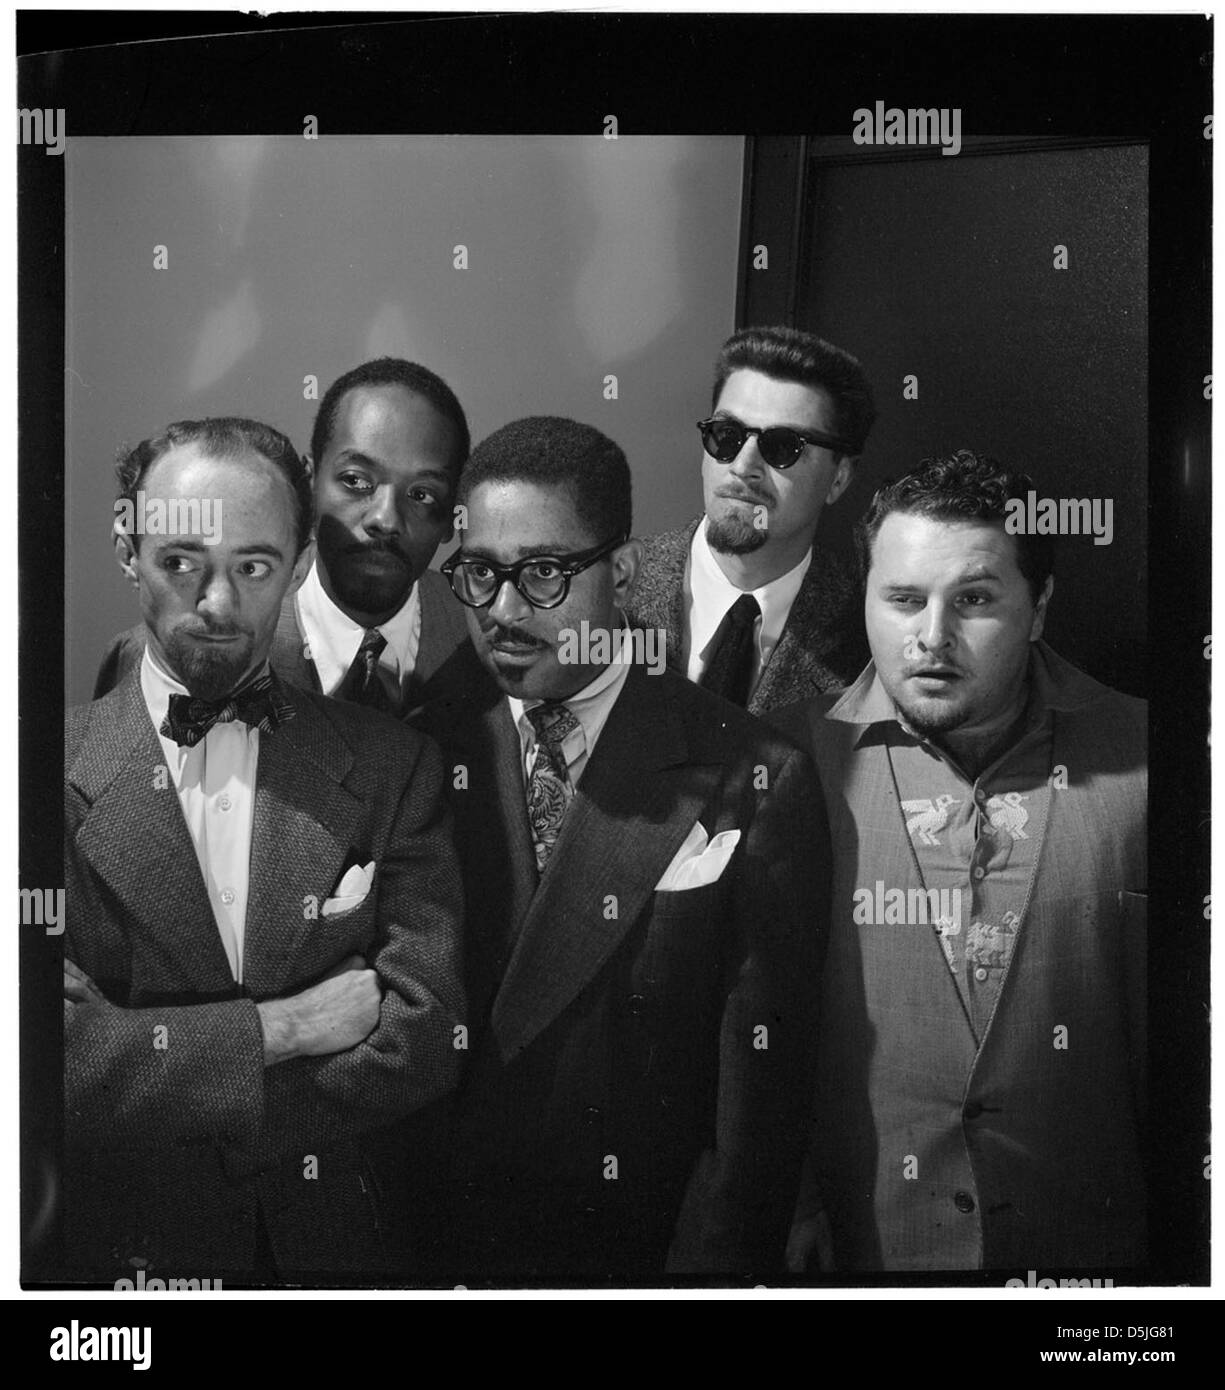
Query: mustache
point(390, 547)
point(742, 495)
point(498, 633)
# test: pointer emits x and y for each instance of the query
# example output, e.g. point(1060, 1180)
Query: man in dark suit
point(263, 905)
point(981, 1062)
point(371, 622)
point(645, 869)
point(753, 607)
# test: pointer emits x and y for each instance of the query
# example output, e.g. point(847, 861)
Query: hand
point(79, 988)
point(810, 1236)
point(332, 1016)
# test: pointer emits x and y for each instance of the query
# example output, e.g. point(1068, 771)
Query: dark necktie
point(366, 682)
point(549, 789)
point(729, 671)
point(256, 703)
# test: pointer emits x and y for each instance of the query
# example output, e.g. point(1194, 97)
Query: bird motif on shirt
point(1007, 813)
point(927, 818)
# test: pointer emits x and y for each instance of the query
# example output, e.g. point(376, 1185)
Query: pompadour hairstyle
point(793, 354)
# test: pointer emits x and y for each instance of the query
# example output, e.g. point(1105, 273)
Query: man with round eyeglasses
point(646, 881)
point(753, 608)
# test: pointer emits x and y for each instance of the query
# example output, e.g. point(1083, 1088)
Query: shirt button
point(963, 1201)
point(591, 1114)
point(227, 896)
point(973, 1110)
point(979, 871)
point(980, 974)
point(224, 802)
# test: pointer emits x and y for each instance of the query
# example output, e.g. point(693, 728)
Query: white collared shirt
point(215, 782)
point(332, 637)
point(709, 594)
point(591, 706)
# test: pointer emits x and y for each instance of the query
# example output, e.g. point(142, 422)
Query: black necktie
point(256, 703)
point(729, 671)
point(366, 682)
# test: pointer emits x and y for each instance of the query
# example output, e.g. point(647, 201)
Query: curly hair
point(956, 487)
point(551, 451)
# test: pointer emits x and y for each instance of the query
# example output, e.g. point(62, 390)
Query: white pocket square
point(351, 891)
point(698, 861)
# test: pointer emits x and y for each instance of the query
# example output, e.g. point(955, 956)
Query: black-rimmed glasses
point(544, 580)
point(723, 438)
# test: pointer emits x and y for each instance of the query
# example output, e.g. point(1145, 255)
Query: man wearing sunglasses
point(645, 871)
point(753, 608)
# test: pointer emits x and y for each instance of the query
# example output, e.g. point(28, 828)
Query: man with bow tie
point(263, 906)
point(370, 622)
point(645, 868)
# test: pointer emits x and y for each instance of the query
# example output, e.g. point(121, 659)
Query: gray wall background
point(290, 257)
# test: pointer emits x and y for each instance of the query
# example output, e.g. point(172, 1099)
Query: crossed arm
point(367, 1042)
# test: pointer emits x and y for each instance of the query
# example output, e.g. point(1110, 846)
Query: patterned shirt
point(976, 841)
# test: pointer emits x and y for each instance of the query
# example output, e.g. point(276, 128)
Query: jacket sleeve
point(740, 1198)
point(153, 1076)
point(413, 1055)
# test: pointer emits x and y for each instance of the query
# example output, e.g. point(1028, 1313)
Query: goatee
point(734, 534)
point(208, 673)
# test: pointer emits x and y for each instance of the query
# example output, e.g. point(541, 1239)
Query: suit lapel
point(797, 669)
point(306, 823)
point(136, 840)
point(637, 800)
point(442, 628)
point(674, 619)
point(288, 655)
point(492, 827)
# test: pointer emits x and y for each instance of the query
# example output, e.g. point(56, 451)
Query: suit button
point(591, 1114)
point(973, 1110)
point(636, 1004)
point(963, 1201)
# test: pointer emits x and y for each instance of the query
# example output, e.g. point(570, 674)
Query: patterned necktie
point(549, 788)
point(367, 682)
point(729, 672)
point(256, 703)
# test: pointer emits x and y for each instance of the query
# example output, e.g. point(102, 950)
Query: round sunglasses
point(723, 438)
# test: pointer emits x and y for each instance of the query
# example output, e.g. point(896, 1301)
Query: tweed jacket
point(1022, 1150)
point(822, 646)
point(442, 630)
point(637, 1094)
point(179, 1141)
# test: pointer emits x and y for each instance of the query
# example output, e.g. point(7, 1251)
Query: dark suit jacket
point(822, 647)
point(1022, 1154)
point(442, 630)
point(624, 1115)
point(177, 1138)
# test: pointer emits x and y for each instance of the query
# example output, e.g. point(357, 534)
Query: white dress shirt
point(215, 782)
point(332, 637)
point(709, 594)
point(591, 706)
